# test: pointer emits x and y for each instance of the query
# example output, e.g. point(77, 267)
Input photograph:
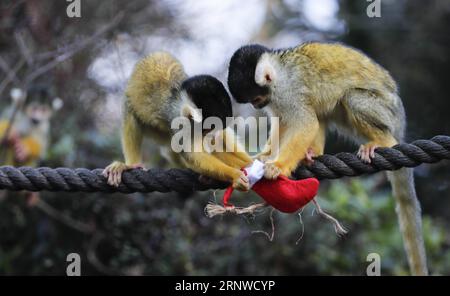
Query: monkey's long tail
point(409, 217)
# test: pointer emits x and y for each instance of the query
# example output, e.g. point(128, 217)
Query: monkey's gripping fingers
point(241, 183)
point(21, 152)
point(367, 152)
point(114, 171)
point(271, 170)
point(309, 157)
point(13, 137)
point(261, 157)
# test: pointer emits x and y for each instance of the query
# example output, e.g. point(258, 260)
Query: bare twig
point(121, 67)
point(24, 49)
point(11, 75)
point(93, 259)
point(63, 218)
point(67, 55)
point(143, 247)
point(92, 255)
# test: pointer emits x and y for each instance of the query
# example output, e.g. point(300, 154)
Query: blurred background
point(77, 69)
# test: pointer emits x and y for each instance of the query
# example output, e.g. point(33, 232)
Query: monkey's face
point(38, 113)
point(209, 95)
point(260, 101)
point(241, 76)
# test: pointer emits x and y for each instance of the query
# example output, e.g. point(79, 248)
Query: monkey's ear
point(57, 104)
point(17, 95)
point(265, 73)
point(190, 111)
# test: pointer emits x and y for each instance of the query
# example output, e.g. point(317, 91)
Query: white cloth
point(255, 172)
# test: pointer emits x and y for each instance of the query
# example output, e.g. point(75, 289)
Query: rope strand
point(184, 181)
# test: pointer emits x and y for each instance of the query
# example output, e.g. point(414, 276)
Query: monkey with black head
point(158, 92)
point(318, 85)
point(28, 135)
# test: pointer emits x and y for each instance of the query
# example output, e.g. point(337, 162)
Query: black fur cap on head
point(209, 94)
point(241, 73)
point(40, 94)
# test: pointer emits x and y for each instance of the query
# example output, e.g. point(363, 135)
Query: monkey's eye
point(35, 121)
point(257, 100)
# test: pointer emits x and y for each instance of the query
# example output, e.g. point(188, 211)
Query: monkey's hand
point(261, 157)
point(309, 157)
point(21, 151)
point(13, 137)
point(114, 171)
point(271, 170)
point(367, 152)
point(241, 183)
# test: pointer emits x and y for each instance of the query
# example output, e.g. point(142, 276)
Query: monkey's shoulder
point(157, 73)
point(338, 63)
point(160, 66)
point(155, 81)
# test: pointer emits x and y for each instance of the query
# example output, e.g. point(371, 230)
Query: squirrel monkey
point(160, 91)
point(27, 140)
point(316, 85)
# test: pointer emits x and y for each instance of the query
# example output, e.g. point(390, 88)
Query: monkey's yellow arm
point(33, 148)
point(3, 126)
point(131, 139)
point(294, 144)
point(211, 166)
point(234, 154)
point(7, 152)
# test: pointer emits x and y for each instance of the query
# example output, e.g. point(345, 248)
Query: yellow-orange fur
point(153, 99)
point(316, 85)
point(33, 143)
point(325, 79)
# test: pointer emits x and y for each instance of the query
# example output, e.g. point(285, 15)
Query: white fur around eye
point(189, 110)
point(196, 115)
point(265, 72)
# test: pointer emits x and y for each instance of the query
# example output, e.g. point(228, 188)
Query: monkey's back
point(151, 86)
point(330, 69)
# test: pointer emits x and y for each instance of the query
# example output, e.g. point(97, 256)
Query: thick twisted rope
point(137, 180)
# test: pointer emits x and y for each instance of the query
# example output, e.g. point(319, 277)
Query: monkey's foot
point(21, 152)
point(309, 157)
point(271, 170)
point(32, 198)
point(114, 171)
point(367, 152)
point(13, 137)
point(241, 183)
